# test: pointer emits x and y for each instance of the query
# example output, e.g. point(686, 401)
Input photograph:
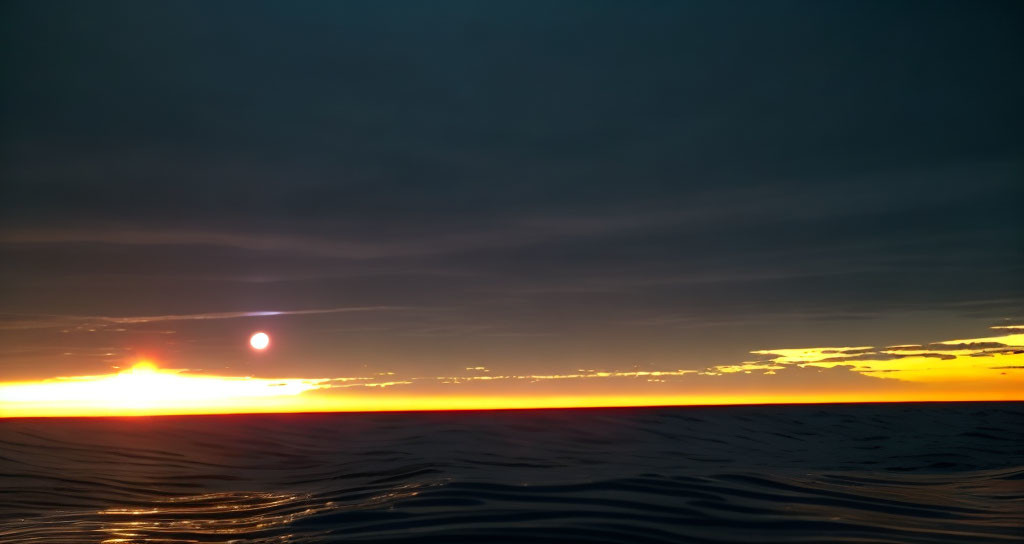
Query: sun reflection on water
point(238, 514)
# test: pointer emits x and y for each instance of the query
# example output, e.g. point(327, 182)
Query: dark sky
point(528, 185)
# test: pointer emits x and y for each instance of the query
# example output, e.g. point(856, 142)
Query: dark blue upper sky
point(520, 183)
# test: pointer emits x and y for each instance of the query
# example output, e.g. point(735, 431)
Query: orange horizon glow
point(136, 393)
point(489, 403)
point(144, 389)
point(980, 369)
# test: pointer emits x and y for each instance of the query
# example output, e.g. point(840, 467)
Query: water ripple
point(934, 473)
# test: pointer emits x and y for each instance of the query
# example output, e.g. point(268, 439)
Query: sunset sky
point(478, 204)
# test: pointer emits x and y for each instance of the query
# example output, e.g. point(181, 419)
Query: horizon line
point(517, 409)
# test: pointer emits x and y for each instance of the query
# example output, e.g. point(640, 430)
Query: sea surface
point(877, 473)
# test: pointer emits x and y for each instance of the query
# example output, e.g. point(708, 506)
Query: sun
point(259, 341)
point(145, 388)
point(142, 367)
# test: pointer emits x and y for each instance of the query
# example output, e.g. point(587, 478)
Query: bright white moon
point(259, 340)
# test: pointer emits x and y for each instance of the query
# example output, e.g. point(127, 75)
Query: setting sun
point(146, 389)
point(259, 341)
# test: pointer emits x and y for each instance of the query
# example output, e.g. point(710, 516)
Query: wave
point(870, 473)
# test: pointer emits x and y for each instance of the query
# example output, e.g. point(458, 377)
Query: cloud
point(936, 362)
point(969, 346)
point(487, 233)
point(167, 237)
point(78, 322)
point(884, 357)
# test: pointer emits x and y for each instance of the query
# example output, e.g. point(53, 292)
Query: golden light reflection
point(227, 514)
point(232, 516)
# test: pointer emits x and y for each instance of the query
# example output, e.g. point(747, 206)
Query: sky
point(766, 200)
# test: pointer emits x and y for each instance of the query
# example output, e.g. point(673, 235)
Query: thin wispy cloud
point(23, 321)
point(512, 232)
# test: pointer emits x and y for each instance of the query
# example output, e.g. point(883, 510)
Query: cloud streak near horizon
point(950, 361)
point(21, 322)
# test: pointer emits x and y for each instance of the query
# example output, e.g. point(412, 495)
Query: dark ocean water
point(827, 473)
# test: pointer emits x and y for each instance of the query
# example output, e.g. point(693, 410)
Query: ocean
point(870, 473)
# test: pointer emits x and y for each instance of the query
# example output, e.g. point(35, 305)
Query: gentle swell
point(864, 474)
